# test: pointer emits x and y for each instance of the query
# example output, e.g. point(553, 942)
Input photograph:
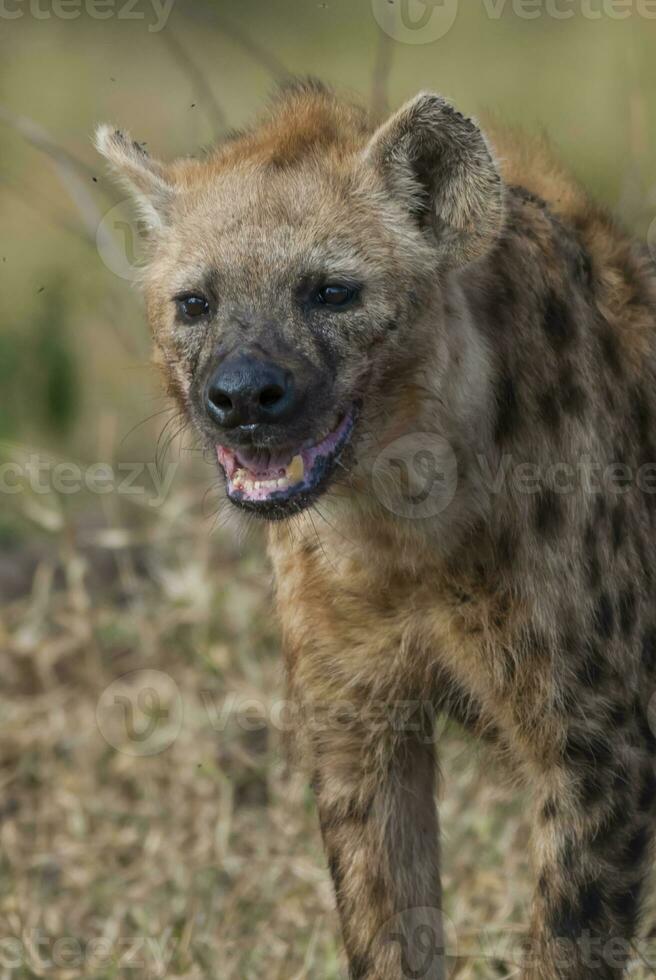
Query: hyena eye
point(336, 294)
point(192, 305)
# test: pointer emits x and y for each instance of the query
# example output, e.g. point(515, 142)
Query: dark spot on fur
point(379, 889)
point(593, 787)
point(331, 816)
point(626, 904)
point(647, 791)
point(505, 548)
point(548, 513)
point(543, 886)
point(557, 321)
point(590, 903)
point(567, 854)
point(633, 852)
point(550, 809)
point(335, 872)
point(588, 747)
point(611, 826)
point(604, 617)
point(641, 414)
point(649, 649)
point(565, 921)
point(618, 715)
point(645, 566)
point(591, 672)
point(358, 967)
point(592, 561)
point(601, 509)
point(645, 733)
point(618, 523)
point(549, 410)
point(627, 611)
point(583, 270)
point(507, 410)
point(528, 197)
point(609, 347)
point(572, 396)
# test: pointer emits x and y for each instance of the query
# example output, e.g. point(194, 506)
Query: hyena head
point(295, 282)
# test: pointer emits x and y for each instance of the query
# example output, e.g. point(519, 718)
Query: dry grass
point(202, 860)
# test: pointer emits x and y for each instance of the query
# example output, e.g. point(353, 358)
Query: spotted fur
point(507, 314)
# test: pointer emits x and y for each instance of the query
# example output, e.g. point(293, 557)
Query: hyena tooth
point(296, 469)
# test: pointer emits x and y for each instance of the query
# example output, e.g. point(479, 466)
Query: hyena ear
point(440, 164)
point(146, 179)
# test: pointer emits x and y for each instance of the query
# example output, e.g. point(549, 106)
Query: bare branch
point(213, 109)
point(67, 167)
point(35, 134)
point(257, 51)
point(38, 205)
point(380, 76)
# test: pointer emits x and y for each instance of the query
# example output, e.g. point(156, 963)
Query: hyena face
point(291, 285)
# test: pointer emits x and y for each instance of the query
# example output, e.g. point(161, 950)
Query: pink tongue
point(260, 462)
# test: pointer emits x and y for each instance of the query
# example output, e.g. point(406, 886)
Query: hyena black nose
point(247, 391)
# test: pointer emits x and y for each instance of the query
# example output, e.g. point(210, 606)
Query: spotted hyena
point(429, 361)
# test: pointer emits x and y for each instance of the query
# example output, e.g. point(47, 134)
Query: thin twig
point(35, 134)
point(380, 76)
point(258, 52)
point(211, 106)
point(67, 167)
point(36, 203)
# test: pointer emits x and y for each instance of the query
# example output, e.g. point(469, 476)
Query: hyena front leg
point(592, 836)
point(376, 802)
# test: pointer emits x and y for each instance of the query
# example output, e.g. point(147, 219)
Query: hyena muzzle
point(429, 361)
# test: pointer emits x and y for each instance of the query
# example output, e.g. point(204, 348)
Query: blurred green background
point(73, 346)
point(211, 846)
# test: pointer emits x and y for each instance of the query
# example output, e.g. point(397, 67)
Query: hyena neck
point(494, 327)
point(440, 409)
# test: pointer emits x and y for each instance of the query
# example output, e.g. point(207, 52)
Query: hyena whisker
point(165, 438)
point(145, 421)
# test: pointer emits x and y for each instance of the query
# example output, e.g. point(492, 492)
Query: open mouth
point(276, 484)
